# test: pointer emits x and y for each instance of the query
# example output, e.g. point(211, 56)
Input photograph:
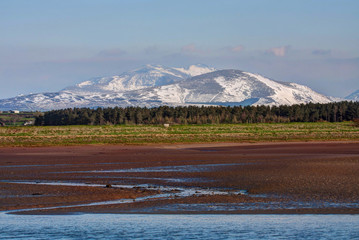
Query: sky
point(47, 45)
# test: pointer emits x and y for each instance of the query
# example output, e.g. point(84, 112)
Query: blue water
point(137, 226)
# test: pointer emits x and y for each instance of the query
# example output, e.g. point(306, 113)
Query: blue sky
point(48, 45)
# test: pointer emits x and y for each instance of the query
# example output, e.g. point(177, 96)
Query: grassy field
point(125, 134)
point(17, 119)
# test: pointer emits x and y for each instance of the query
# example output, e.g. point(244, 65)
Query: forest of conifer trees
point(331, 112)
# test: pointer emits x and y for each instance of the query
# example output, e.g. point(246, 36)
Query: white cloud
point(278, 51)
point(237, 48)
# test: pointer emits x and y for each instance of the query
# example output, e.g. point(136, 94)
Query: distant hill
point(354, 96)
point(156, 85)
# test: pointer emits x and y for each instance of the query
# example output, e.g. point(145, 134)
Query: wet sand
point(314, 177)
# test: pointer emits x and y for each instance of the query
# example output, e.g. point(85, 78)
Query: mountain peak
point(157, 85)
point(197, 69)
point(150, 75)
point(149, 67)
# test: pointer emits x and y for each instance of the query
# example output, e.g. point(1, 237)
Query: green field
point(17, 119)
point(132, 134)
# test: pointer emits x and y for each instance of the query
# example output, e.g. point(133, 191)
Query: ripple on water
point(244, 206)
point(136, 226)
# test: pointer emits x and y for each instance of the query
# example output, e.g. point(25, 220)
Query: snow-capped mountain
point(156, 85)
point(148, 76)
point(354, 96)
point(228, 87)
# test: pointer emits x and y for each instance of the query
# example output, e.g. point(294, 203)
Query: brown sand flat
point(319, 177)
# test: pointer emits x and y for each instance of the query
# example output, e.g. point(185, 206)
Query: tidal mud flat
point(314, 177)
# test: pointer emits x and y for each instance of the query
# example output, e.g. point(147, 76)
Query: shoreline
point(279, 213)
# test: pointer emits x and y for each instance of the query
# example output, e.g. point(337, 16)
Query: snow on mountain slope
point(148, 76)
point(157, 85)
point(230, 87)
point(354, 96)
point(195, 70)
point(289, 93)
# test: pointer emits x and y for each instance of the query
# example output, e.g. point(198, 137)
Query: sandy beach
point(312, 177)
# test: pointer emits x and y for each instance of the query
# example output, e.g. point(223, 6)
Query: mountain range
point(354, 96)
point(156, 85)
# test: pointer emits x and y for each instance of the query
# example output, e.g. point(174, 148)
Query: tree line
point(311, 112)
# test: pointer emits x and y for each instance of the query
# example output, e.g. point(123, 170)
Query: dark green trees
point(311, 112)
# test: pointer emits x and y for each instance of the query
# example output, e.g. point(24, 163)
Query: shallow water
point(136, 226)
point(246, 206)
point(166, 193)
point(180, 168)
